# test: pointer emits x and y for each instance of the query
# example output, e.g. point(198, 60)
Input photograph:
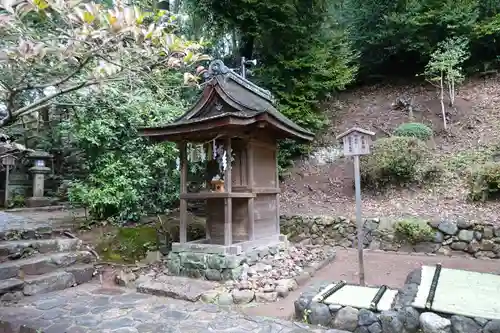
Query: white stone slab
point(359, 297)
point(425, 286)
point(460, 292)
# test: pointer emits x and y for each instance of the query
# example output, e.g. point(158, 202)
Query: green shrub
point(484, 181)
point(414, 130)
point(414, 231)
point(395, 160)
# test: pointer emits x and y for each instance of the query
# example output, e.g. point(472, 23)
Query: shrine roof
point(228, 99)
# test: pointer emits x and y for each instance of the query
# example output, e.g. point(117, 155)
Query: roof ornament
point(217, 67)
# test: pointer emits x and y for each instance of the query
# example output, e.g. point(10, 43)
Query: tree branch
point(64, 79)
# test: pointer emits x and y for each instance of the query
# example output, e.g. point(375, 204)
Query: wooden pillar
point(183, 190)
point(251, 214)
point(277, 194)
point(228, 203)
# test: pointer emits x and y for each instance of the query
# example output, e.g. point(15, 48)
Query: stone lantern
point(39, 170)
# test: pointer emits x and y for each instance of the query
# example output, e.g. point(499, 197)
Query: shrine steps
point(36, 259)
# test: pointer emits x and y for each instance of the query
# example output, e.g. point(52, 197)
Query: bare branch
point(29, 108)
point(64, 79)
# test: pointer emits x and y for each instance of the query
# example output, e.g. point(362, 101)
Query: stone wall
point(403, 318)
point(213, 267)
point(478, 240)
point(260, 275)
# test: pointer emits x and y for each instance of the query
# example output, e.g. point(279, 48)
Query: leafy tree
point(127, 176)
point(302, 50)
point(444, 68)
point(51, 48)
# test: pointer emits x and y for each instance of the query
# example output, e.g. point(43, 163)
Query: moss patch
point(128, 244)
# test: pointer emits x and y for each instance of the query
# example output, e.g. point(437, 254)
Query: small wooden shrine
point(235, 127)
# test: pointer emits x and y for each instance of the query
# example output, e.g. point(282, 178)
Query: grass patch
point(413, 230)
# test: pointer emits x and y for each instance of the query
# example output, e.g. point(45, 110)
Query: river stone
point(461, 324)
point(290, 284)
point(488, 232)
point(426, 247)
point(459, 246)
point(266, 297)
point(410, 319)
point(464, 223)
point(366, 317)
point(346, 319)
point(488, 245)
point(302, 304)
point(473, 247)
point(282, 291)
point(225, 299)
point(492, 327)
point(448, 227)
point(209, 296)
point(213, 275)
point(438, 237)
point(243, 296)
point(432, 323)
point(390, 322)
point(319, 314)
point(466, 235)
point(375, 328)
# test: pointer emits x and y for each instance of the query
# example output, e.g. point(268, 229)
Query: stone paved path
point(389, 268)
point(90, 308)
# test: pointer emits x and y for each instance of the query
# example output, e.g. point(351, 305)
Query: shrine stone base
point(34, 202)
point(199, 259)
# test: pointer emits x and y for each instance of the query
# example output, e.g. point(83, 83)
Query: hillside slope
point(473, 138)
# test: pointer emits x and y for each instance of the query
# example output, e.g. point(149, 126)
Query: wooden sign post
point(356, 142)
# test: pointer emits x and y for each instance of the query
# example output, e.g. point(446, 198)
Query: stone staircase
point(35, 259)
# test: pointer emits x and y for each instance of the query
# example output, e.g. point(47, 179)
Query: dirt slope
point(474, 132)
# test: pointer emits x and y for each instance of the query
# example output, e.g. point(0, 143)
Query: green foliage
point(446, 60)
point(303, 54)
point(484, 182)
point(17, 200)
point(414, 130)
point(461, 161)
point(395, 160)
point(414, 230)
point(407, 32)
point(127, 176)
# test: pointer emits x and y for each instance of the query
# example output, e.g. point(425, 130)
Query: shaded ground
point(381, 268)
point(91, 308)
point(473, 136)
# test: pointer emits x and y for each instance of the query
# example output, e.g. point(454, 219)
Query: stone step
point(10, 285)
point(18, 249)
point(43, 263)
point(16, 289)
point(58, 280)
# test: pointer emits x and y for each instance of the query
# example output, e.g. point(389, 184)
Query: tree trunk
point(452, 92)
point(441, 99)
